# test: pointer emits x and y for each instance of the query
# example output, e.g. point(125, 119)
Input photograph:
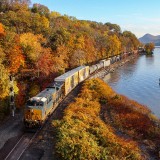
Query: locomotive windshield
point(34, 103)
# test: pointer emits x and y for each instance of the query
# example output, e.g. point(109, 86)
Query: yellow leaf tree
point(31, 45)
point(113, 45)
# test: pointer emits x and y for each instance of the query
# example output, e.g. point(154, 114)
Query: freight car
point(92, 69)
point(73, 77)
point(106, 62)
point(38, 108)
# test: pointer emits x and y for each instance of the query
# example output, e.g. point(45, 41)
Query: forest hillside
point(37, 44)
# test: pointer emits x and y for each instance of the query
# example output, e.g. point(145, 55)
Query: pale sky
point(137, 16)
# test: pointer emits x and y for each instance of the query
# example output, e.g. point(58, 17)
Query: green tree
point(6, 5)
point(113, 27)
point(131, 41)
point(41, 9)
point(59, 38)
point(39, 24)
point(18, 20)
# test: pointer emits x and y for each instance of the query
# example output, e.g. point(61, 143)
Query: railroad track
point(20, 146)
point(24, 142)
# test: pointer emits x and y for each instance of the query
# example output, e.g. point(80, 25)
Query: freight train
point(38, 108)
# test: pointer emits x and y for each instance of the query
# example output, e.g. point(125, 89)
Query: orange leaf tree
point(16, 59)
point(2, 31)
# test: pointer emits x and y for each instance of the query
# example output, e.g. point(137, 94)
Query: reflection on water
point(139, 80)
point(149, 60)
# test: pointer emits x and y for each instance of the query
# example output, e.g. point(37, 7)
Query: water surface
point(139, 80)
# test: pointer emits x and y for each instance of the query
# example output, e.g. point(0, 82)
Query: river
point(139, 80)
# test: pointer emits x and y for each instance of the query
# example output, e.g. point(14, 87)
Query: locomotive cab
point(33, 114)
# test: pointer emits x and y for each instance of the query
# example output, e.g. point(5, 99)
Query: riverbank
point(103, 72)
point(118, 127)
point(139, 80)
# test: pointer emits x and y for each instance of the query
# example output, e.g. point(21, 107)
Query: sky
point(137, 16)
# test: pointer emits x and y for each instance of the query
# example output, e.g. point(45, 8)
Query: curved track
point(27, 138)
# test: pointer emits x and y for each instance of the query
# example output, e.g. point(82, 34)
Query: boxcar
point(106, 62)
point(83, 73)
point(100, 65)
point(92, 69)
point(118, 58)
point(71, 79)
point(113, 59)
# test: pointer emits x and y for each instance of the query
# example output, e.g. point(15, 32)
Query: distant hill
point(147, 38)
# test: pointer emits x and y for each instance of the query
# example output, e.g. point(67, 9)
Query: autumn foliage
point(16, 59)
point(149, 47)
point(82, 134)
point(2, 32)
point(21, 97)
point(133, 118)
point(101, 124)
point(36, 44)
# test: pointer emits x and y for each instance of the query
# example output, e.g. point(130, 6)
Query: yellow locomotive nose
point(32, 118)
point(33, 114)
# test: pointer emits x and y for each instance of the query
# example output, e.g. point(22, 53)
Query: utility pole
point(12, 104)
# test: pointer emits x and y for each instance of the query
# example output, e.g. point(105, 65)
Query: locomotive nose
point(30, 111)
